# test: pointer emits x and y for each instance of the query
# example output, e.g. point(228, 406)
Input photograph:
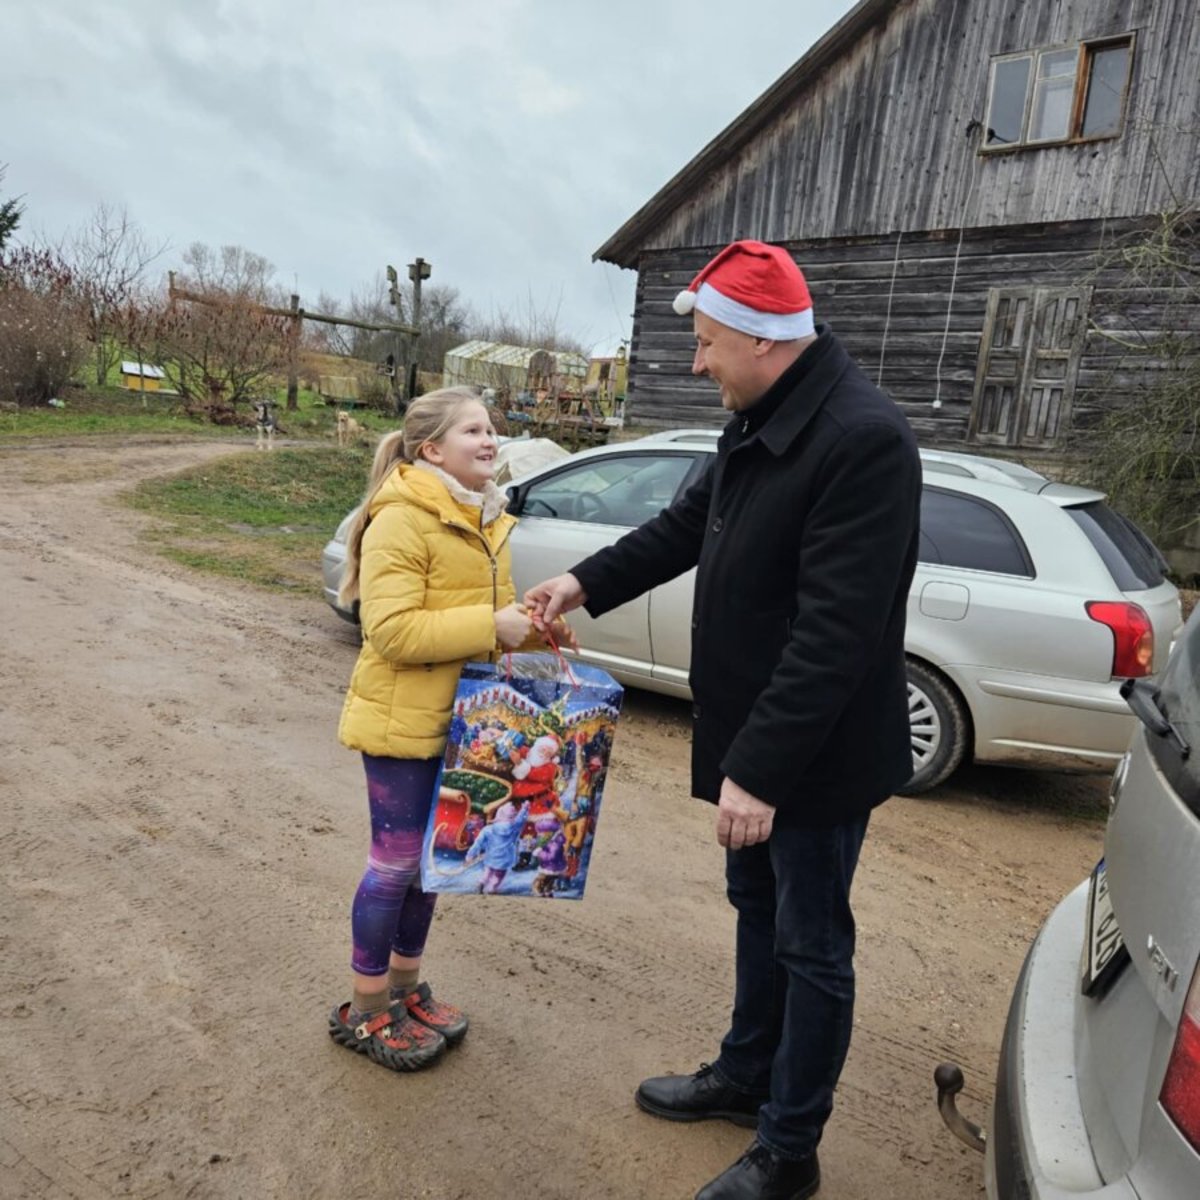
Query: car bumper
point(333, 558)
point(345, 613)
point(1029, 720)
point(1038, 1146)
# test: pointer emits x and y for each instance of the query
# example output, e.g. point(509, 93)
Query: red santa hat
point(755, 288)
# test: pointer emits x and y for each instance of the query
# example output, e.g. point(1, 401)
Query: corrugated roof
point(143, 369)
point(623, 247)
point(500, 354)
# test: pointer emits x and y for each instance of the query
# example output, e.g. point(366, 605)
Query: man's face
point(731, 358)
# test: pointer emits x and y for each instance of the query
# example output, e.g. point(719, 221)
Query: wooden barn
point(956, 178)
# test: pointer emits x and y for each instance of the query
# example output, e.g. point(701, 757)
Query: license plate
point(1104, 952)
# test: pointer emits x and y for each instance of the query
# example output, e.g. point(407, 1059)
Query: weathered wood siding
point(890, 302)
point(880, 141)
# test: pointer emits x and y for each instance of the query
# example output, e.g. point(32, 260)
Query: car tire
point(939, 726)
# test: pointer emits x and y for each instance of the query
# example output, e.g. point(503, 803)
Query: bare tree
point(528, 325)
point(1145, 448)
point(445, 323)
point(109, 254)
point(221, 347)
point(232, 271)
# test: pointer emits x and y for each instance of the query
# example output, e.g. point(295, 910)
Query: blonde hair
point(428, 419)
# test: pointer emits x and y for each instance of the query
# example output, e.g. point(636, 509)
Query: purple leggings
point(391, 912)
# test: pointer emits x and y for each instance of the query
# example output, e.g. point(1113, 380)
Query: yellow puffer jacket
point(429, 582)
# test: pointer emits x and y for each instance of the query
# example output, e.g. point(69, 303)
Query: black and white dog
point(265, 424)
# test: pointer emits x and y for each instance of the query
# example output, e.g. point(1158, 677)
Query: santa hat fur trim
point(755, 288)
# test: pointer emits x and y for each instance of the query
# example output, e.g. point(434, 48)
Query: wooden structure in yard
point(572, 419)
point(141, 377)
point(541, 392)
point(343, 390)
point(511, 370)
point(949, 174)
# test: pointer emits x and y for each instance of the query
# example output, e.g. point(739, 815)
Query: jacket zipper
point(488, 551)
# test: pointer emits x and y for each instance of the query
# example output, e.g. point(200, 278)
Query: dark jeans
point(794, 1000)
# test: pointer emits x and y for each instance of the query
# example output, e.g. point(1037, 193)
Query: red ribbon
point(566, 666)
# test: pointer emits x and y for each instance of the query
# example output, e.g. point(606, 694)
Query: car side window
point(964, 531)
point(621, 490)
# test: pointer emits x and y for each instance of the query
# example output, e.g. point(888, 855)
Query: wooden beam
point(176, 293)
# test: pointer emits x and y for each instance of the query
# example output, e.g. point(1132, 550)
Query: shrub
point(42, 341)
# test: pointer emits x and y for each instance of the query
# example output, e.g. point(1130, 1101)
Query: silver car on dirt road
point(1098, 1090)
point(1031, 602)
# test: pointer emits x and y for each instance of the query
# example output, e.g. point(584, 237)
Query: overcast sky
point(501, 140)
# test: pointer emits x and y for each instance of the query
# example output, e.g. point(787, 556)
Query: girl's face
point(468, 449)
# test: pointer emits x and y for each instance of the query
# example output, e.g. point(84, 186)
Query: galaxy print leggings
point(391, 912)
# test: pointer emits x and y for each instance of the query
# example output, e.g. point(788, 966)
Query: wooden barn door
point(1028, 361)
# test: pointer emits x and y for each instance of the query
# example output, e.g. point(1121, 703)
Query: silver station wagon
point(1098, 1089)
point(1031, 603)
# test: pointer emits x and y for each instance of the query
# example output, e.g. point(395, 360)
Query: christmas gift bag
point(519, 792)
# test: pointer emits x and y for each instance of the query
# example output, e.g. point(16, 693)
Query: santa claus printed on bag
point(535, 773)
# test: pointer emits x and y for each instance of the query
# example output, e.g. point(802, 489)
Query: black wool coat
point(803, 531)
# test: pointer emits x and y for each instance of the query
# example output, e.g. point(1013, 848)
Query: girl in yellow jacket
point(428, 562)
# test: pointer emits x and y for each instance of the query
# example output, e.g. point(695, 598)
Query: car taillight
point(1180, 1095)
point(1133, 636)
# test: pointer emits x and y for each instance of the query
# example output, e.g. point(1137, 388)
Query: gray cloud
point(502, 140)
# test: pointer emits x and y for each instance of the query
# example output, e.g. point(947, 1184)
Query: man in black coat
point(804, 534)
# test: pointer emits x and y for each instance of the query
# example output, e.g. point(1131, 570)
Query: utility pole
point(293, 365)
point(397, 355)
point(416, 272)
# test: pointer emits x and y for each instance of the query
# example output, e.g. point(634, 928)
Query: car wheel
point(937, 720)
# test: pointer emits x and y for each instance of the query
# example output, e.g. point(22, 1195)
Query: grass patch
point(261, 518)
point(112, 410)
point(93, 412)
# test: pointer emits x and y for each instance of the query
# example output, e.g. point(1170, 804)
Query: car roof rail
point(990, 470)
point(704, 436)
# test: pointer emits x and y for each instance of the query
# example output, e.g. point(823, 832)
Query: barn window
point(1060, 94)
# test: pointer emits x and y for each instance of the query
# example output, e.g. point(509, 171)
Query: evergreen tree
point(10, 216)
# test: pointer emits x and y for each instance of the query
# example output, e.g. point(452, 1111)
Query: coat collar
point(806, 385)
point(428, 489)
point(491, 500)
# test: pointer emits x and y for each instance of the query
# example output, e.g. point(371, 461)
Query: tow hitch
point(949, 1080)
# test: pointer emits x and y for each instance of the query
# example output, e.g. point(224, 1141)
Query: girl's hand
point(513, 625)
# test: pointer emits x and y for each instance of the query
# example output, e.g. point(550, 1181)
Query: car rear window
point(1128, 553)
point(964, 531)
point(1179, 700)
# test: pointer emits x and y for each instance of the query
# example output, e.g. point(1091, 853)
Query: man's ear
point(763, 346)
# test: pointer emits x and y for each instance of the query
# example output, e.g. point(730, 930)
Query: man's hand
point(547, 601)
point(742, 819)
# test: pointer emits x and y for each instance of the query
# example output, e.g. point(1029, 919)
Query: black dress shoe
point(760, 1175)
point(699, 1097)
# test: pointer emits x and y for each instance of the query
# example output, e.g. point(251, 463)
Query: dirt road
point(180, 836)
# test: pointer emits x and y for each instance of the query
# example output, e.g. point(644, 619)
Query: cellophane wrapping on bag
point(522, 780)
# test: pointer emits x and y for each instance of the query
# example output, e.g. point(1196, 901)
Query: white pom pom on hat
point(752, 287)
point(684, 302)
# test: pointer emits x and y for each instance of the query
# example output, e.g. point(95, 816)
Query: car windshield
point(1131, 558)
point(1179, 702)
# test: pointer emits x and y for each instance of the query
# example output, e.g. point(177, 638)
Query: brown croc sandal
point(445, 1019)
point(391, 1038)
